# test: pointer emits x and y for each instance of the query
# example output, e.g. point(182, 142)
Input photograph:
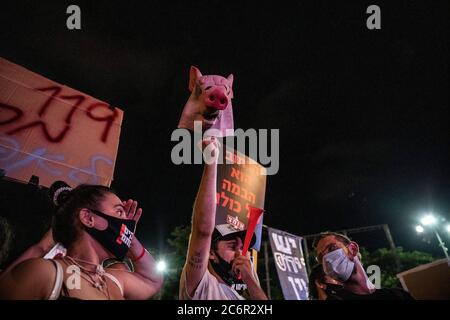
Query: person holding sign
point(93, 224)
point(214, 263)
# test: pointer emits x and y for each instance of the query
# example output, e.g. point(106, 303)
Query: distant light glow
point(161, 266)
point(420, 229)
point(428, 220)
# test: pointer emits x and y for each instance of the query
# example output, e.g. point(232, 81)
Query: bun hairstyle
point(66, 224)
point(59, 191)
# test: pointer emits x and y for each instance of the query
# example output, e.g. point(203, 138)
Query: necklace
point(95, 277)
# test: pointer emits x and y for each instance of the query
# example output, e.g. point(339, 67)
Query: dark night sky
point(363, 115)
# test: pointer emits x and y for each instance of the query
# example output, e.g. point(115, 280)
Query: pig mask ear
point(230, 79)
point(194, 74)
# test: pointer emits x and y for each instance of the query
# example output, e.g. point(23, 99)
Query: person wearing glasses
point(341, 260)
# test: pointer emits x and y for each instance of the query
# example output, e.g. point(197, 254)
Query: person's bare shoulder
point(36, 266)
point(30, 279)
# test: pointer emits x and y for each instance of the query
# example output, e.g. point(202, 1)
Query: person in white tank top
point(93, 224)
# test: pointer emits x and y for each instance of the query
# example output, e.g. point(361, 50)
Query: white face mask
point(369, 283)
point(337, 265)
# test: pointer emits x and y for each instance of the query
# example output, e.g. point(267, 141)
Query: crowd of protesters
point(93, 233)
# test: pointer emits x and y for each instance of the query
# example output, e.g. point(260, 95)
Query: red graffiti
point(46, 107)
point(59, 137)
point(109, 118)
point(56, 90)
point(18, 113)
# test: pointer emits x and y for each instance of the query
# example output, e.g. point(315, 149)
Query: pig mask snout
point(216, 99)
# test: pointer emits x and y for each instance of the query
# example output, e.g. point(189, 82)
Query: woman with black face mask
point(93, 224)
point(47, 247)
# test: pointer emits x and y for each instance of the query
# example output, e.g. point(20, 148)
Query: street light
point(420, 229)
point(161, 266)
point(448, 228)
point(429, 220)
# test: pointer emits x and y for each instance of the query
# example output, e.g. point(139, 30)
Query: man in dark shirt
point(340, 259)
point(377, 294)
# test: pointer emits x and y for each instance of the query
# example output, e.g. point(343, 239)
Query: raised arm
point(145, 281)
point(203, 221)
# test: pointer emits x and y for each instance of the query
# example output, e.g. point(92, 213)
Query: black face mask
point(332, 289)
point(116, 238)
point(223, 269)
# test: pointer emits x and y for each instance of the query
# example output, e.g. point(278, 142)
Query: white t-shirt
point(209, 288)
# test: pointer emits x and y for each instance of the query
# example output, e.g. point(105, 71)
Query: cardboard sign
point(239, 186)
point(288, 255)
point(54, 132)
point(430, 281)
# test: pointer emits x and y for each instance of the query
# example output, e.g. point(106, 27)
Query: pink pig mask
point(209, 102)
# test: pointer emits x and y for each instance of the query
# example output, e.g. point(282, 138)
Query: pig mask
point(210, 103)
